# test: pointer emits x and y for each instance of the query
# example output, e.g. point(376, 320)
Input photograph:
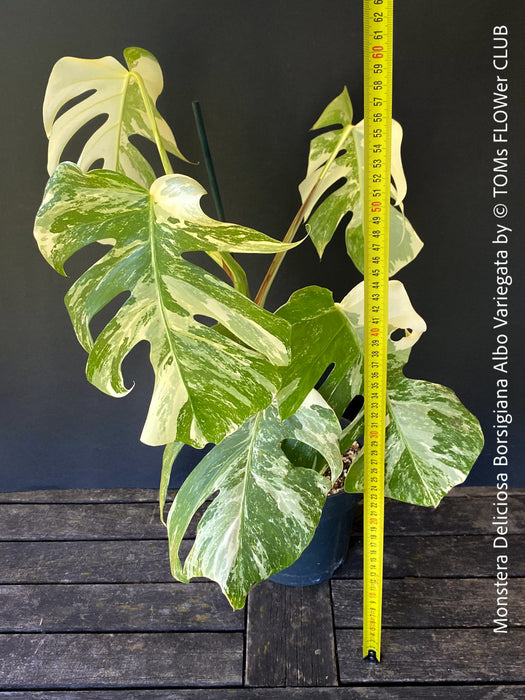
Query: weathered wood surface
point(92, 521)
point(436, 556)
point(116, 561)
point(117, 660)
point(435, 656)
point(116, 608)
point(85, 562)
point(432, 603)
point(427, 692)
point(290, 639)
point(140, 520)
point(88, 601)
point(454, 516)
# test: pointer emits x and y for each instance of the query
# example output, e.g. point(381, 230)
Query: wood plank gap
point(336, 657)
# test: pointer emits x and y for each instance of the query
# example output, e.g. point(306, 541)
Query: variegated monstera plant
point(246, 383)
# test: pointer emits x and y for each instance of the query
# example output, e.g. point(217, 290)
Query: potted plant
point(227, 371)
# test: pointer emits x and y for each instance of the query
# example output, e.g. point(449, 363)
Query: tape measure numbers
point(378, 50)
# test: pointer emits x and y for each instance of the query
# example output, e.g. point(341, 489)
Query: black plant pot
point(329, 546)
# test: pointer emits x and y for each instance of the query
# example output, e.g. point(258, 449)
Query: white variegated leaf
point(206, 382)
point(345, 382)
point(324, 213)
point(432, 440)
point(401, 317)
point(125, 96)
point(265, 510)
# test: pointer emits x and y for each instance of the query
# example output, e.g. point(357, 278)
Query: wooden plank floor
point(89, 610)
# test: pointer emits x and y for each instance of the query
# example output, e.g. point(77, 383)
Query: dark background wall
point(263, 72)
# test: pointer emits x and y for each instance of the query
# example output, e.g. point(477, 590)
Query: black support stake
point(208, 162)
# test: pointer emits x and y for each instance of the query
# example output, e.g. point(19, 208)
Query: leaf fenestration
point(345, 382)
point(432, 440)
point(266, 510)
point(128, 99)
point(206, 382)
point(345, 176)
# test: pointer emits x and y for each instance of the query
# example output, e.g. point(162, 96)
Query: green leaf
point(321, 335)
point(432, 441)
point(265, 511)
point(206, 384)
point(345, 381)
point(337, 160)
point(128, 99)
point(325, 333)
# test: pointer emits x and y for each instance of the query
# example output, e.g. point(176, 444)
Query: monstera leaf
point(404, 323)
point(321, 336)
point(333, 187)
point(432, 440)
point(206, 383)
point(266, 509)
point(325, 333)
point(127, 97)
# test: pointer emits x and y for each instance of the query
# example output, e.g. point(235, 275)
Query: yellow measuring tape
point(378, 49)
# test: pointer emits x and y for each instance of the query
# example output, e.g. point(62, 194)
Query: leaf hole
point(324, 376)
point(345, 220)
point(205, 320)
point(353, 408)
point(148, 150)
point(327, 129)
point(101, 319)
point(400, 333)
point(76, 143)
point(83, 259)
point(330, 191)
point(74, 101)
point(300, 454)
point(203, 260)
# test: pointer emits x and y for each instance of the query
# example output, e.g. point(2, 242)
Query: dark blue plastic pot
point(329, 546)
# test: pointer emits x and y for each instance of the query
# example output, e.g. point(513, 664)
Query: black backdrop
point(263, 71)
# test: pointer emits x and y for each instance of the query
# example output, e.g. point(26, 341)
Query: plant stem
point(233, 269)
point(153, 123)
point(260, 297)
point(267, 282)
